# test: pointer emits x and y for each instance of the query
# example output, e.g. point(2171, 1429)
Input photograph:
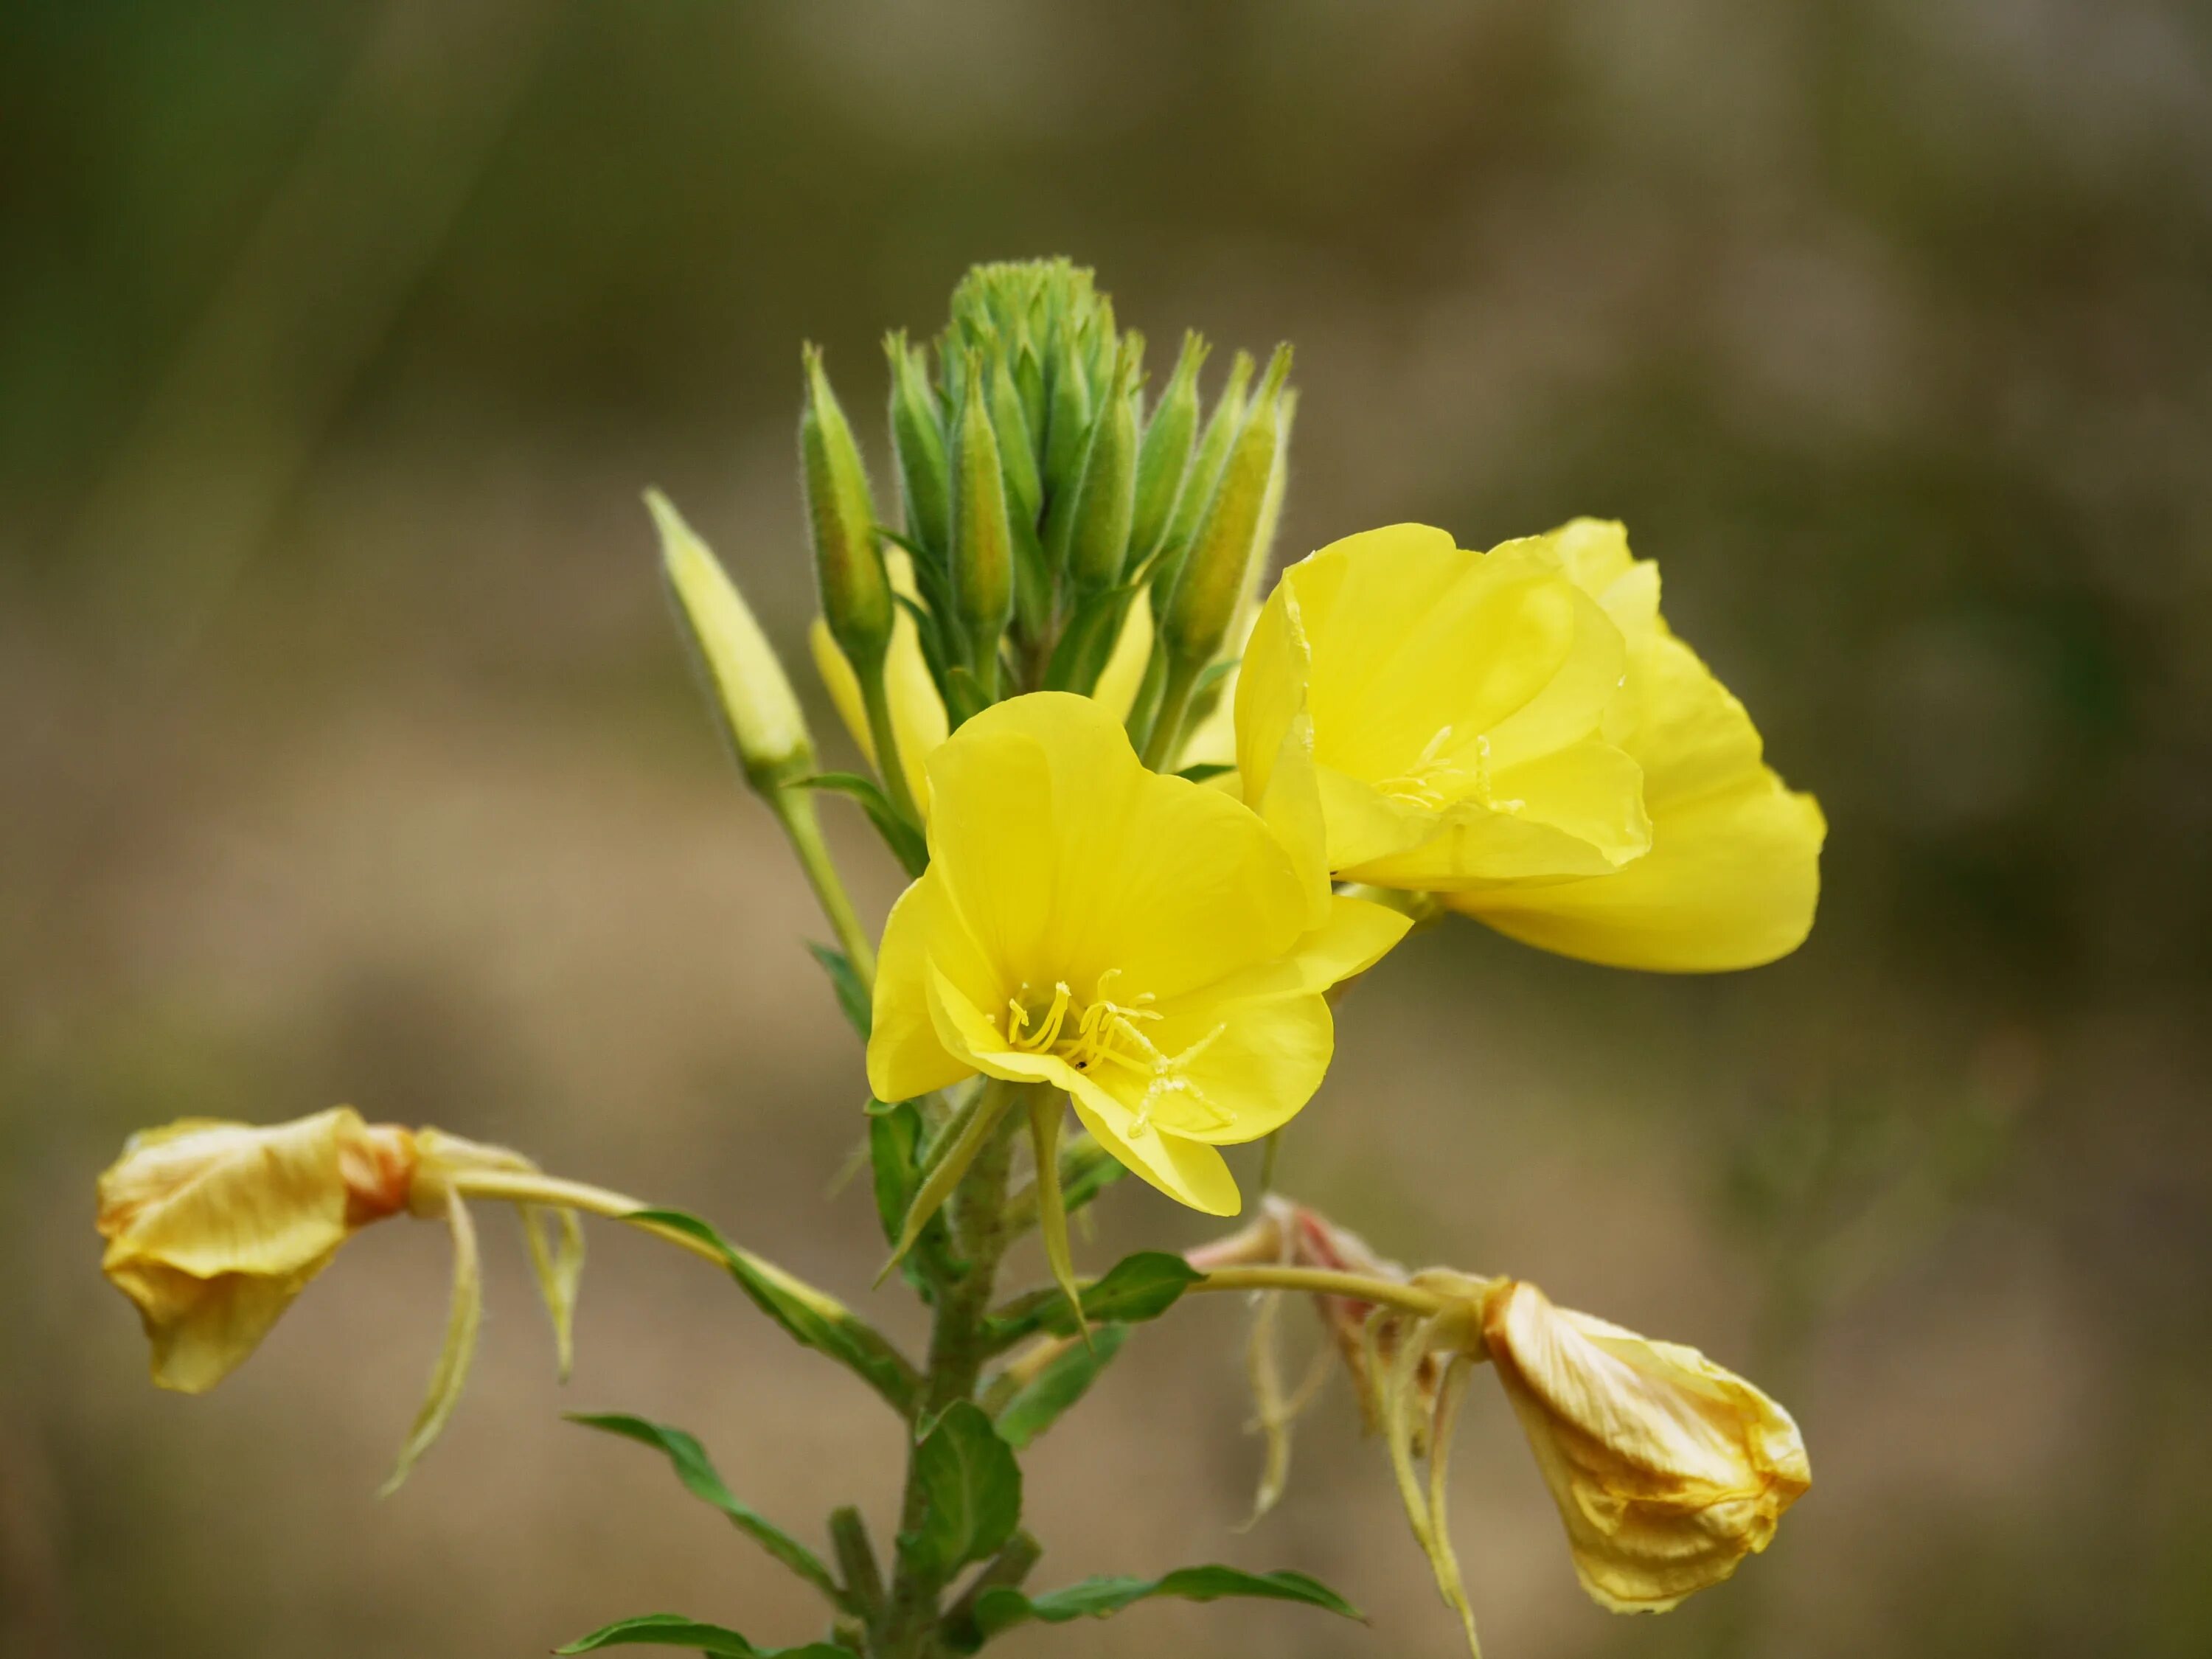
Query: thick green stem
point(794, 809)
point(957, 1350)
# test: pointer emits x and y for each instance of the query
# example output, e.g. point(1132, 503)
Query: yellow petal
point(1118, 682)
point(1666, 1469)
point(905, 1056)
point(1069, 860)
point(1733, 878)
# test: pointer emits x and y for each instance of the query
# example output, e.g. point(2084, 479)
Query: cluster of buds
point(1058, 531)
point(1668, 1469)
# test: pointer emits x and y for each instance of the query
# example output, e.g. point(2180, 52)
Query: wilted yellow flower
point(1149, 946)
point(1668, 1470)
point(213, 1228)
point(1734, 874)
point(1455, 700)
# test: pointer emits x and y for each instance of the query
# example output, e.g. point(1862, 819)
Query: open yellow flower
point(1149, 946)
point(1455, 701)
point(1666, 1469)
point(1733, 876)
point(213, 1228)
point(1520, 733)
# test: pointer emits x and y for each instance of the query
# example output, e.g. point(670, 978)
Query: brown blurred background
point(347, 754)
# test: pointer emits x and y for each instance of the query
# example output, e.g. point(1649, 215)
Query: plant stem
point(956, 1353)
point(1166, 738)
point(1325, 1281)
point(794, 809)
point(891, 765)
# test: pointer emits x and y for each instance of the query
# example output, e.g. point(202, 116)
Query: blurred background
point(347, 754)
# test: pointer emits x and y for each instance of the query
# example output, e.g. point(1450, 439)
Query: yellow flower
point(1666, 1469)
point(1149, 946)
point(1519, 732)
point(1455, 700)
point(213, 1228)
point(1734, 874)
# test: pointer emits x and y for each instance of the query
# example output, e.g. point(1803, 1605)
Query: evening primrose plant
point(1157, 818)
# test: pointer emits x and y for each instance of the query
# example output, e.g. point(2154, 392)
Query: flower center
point(1103, 1035)
point(1435, 780)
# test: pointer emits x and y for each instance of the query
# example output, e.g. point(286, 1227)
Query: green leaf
point(972, 1488)
point(1204, 769)
point(895, 1136)
point(1000, 1609)
point(672, 1630)
point(700, 1479)
point(905, 840)
point(1038, 1404)
point(852, 995)
point(812, 1317)
point(1136, 1288)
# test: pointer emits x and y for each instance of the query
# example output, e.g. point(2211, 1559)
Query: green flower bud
point(759, 711)
point(856, 592)
point(1017, 447)
point(1164, 457)
point(1212, 576)
point(982, 541)
point(1105, 498)
point(1067, 431)
point(1204, 475)
point(918, 442)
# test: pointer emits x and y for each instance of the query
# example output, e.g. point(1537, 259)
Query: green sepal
point(1088, 641)
point(852, 996)
point(907, 843)
point(812, 1318)
point(673, 1630)
point(957, 1145)
point(450, 1374)
point(972, 1489)
point(697, 1473)
point(1135, 1289)
point(1038, 1403)
point(999, 1610)
point(1206, 769)
point(895, 1135)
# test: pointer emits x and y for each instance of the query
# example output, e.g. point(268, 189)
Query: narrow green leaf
point(895, 1135)
point(697, 1473)
point(852, 995)
point(961, 1141)
point(451, 1373)
point(1204, 769)
point(812, 1317)
point(672, 1630)
point(974, 1491)
point(905, 841)
point(1038, 1403)
point(1136, 1288)
point(999, 1610)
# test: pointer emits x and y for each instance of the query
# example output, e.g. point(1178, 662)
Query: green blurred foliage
point(349, 754)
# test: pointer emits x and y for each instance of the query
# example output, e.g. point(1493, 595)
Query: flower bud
point(856, 595)
point(213, 1228)
point(1105, 498)
point(1067, 431)
point(1212, 574)
point(759, 711)
point(918, 442)
point(982, 541)
point(1204, 474)
point(1018, 457)
point(1666, 1469)
point(1164, 458)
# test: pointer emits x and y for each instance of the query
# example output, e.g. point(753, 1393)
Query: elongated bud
point(918, 441)
point(1018, 457)
point(1029, 380)
point(759, 711)
point(1204, 475)
point(982, 540)
point(856, 593)
point(1068, 429)
point(1106, 498)
point(1164, 457)
point(1212, 574)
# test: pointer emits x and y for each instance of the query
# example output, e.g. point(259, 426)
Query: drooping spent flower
point(1152, 947)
